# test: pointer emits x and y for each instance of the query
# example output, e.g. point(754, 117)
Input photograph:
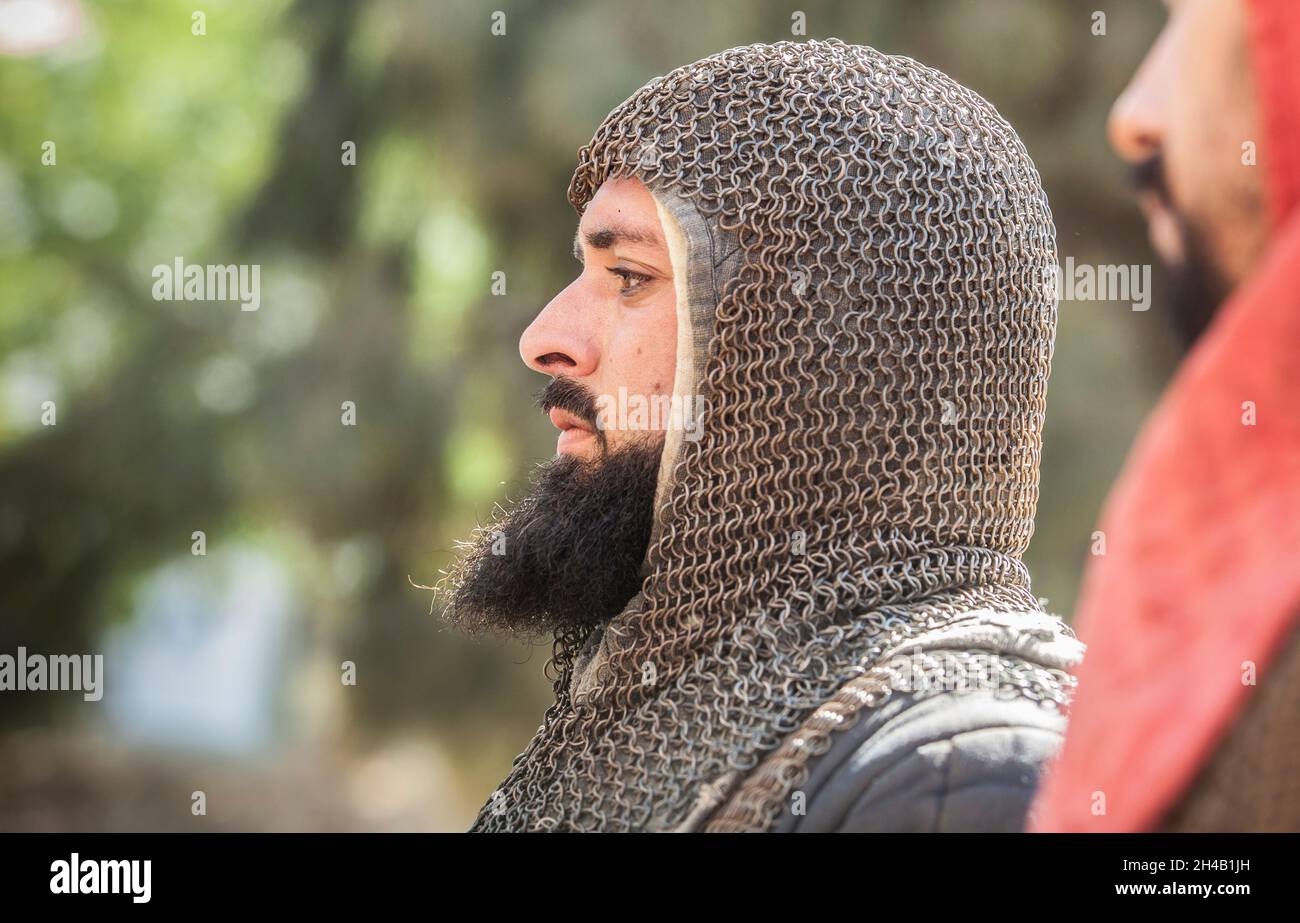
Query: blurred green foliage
point(226, 148)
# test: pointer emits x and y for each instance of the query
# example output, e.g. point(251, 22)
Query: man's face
point(614, 327)
point(568, 555)
point(1183, 121)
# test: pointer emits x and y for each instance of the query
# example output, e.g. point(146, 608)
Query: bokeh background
point(223, 670)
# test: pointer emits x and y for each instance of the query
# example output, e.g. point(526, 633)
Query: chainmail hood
point(872, 305)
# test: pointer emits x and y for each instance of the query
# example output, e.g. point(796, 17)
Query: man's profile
point(797, 601)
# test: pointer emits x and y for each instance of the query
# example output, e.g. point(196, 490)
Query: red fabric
point(1202, 564)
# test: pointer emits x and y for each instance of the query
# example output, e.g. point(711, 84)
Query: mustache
point(1149, 176)
point(567, 394)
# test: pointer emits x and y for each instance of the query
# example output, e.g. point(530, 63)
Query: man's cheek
point(648, 366)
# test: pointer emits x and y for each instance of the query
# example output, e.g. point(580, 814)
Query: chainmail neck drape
point(874, 386)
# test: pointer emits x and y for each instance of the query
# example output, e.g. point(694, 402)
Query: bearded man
point(793, 598)
point(1188, 703)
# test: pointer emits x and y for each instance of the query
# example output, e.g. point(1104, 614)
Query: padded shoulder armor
point(946, 732)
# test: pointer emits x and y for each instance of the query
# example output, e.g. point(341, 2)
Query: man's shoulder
point(946, 729)
point(950, 761)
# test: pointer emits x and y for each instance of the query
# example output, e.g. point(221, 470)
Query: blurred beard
point(1196, 287)
point(569, 555)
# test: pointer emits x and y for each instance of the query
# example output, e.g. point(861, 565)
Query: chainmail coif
point(875, 388)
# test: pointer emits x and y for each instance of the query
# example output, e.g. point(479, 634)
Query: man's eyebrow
point(605, 238)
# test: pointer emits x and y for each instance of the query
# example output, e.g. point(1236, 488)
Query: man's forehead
point(623, 205)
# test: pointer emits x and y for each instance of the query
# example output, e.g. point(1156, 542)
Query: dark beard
point(1196, 290)
point(568, 555)
point(1196, 287)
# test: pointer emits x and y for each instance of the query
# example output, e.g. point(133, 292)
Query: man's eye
point(632, 281)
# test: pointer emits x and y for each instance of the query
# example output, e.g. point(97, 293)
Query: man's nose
point(1137, 119)
point(557, 342)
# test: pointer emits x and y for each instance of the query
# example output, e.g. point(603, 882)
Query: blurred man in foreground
point(1188, 713)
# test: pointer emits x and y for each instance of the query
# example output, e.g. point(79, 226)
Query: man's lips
point(565, 421)
point(573, 430)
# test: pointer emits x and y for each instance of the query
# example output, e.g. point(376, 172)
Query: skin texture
point(1192, 104)
point(614, 326)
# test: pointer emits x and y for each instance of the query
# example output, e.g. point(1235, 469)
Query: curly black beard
point(568, 555)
